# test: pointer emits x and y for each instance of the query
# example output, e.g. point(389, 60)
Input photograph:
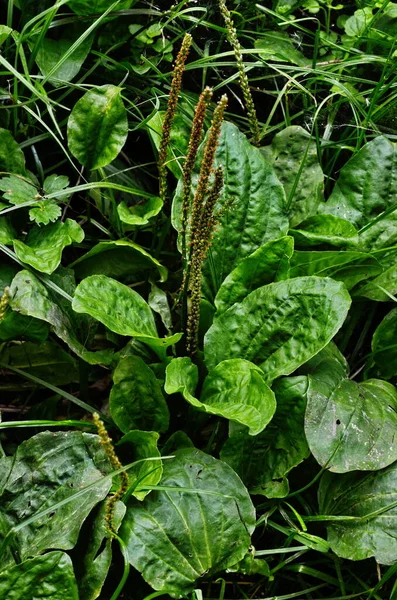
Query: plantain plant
point(197, 322)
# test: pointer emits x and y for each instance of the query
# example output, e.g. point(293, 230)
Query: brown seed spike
point(107, 445)
point(244, 83)
point(169, 116)
point(194, 142)
point(206, 168)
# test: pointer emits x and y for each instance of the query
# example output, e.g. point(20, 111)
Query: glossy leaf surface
point(356, 496)
point(381, 287)
point(55, 466)
point(176, 537)
point(365, 188)
point(349, 266)
point(235, 389)
point(98, 127)
point(7, 231)
point(49, 576)
point(325, 229)
point(179, 139)
point(267, 264)
point(279, 326)
point(293, 155)
point(136, 400)
point(350, 426)
point(264, 461)
point(30, 297)
point(43, 247)
point(120, 309)
point(277, 45)
point(139, 214)
point(47, 360)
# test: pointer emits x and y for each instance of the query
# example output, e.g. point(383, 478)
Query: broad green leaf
point(47, 361)
point(55, 183)
point(325, 229)
point(49, 576)
point(52, 50)
point(47, 468)
point(30, 297)
point(358, 23)
point(279, 326)
point(278, 46)
point(235, 390)
point(293, 155)
point(98, 555)
point(350, 426)
point(356, 496)
point(264, 461)
point(374, 189)
point(384, 346)
point(45, 212)
point(136, 400)
point(96, 7)
point(252, 205)
point(381, 287)
point(12, 159)
point(120, 309)
point(174, 538)
point(181, 375)
point(44, 245)
point(139, 214)
point(7, 231)
point(267, 264)
point(117, 258)
point(143, 445)
point(18, 190)
point(349, 266)
point(98, 126)
point(365, 188)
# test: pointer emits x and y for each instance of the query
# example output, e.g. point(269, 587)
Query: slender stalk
point(244, 83)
